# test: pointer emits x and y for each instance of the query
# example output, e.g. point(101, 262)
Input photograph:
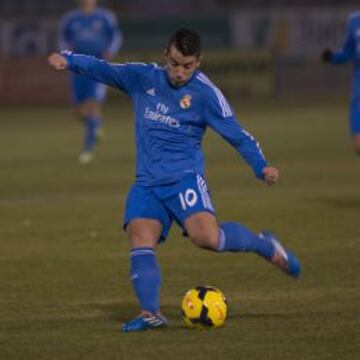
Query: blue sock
point(91, 125)
point(146, 279)
point(237, 238)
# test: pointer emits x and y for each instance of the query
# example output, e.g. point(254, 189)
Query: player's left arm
point(345, 53)
point(220, 117)
point(115, 37)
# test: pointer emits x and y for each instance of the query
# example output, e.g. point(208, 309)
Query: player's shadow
point(119, 312)
point(122, 311)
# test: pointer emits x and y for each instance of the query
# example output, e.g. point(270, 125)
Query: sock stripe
point(141, 252)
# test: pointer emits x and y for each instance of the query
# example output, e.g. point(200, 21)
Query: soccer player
point(93, 31)
point(173, 107)
point(350, 51)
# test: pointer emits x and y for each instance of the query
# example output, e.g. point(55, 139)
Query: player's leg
point(145, 272)
point(90, 112)
point(193, 209)
point(356, 141)
point(235, 237)
point(205, 232)
point(88, 97)
point(355, 123)
point(146, 223)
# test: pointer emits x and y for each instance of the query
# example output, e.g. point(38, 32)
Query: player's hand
point(326, 55)
point(58, 62)
point(271, 175)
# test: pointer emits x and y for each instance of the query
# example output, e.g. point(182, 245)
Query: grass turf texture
point(64, 287)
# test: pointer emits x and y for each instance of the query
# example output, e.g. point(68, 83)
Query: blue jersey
point(350, 50)
point(94, 34)
point(171, 121)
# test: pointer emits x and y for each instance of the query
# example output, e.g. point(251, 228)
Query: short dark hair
point(187, 41)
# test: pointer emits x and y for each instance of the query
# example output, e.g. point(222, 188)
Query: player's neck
point(87, 9)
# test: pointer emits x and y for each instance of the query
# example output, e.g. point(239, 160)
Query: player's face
point(87, 4)
point(180, 67)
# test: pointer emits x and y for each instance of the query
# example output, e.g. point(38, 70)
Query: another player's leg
point(355, 124)
point(88, 97)
point(100, 96)
point(89, 111)
point(356, 141)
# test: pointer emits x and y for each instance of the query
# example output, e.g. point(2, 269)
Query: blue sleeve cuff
point(68, 55)
point(258, 170)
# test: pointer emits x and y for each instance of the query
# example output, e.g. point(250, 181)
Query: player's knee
point(357, 148)
point(356, 140)
point(142, 236)
point(141, 240)
point(205, 240)
point(88, 108)
point(92, 108)
point(78, 112)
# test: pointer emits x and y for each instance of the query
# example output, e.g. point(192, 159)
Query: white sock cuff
point(222, 239)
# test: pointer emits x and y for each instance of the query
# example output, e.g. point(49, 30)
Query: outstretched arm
point(346, 52)
point(122, 76)
point(89, 66)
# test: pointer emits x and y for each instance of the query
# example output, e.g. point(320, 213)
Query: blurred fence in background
point(252, 51)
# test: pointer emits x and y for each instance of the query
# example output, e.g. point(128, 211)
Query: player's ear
point(199, 60)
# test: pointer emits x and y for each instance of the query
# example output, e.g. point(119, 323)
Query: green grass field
point(64, 287)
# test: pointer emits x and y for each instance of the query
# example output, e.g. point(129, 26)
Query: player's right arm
point(346, 52)
point(219, 116)
point(122, 76)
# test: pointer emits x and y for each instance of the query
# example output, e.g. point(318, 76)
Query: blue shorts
point(83, 89)
point(166, 203)
point(355, 116)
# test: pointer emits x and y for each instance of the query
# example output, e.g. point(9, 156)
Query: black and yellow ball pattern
point(204, 307)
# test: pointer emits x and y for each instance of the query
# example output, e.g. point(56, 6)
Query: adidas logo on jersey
point(151, 92)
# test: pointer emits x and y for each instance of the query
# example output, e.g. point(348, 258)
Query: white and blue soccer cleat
point(282, 257)
point(86, 157)
point(145, 322)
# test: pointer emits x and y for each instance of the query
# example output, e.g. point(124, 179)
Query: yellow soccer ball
point(204, 307)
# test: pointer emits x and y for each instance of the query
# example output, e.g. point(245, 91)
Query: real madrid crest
point(185, 102)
